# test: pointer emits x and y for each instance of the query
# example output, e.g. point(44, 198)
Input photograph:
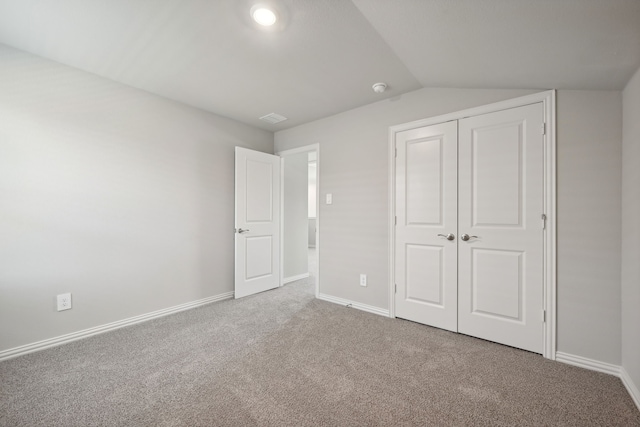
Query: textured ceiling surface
point(324, 55)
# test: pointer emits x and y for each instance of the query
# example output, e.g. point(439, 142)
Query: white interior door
point(426, 209)
point(257, 211)
point(500, 202)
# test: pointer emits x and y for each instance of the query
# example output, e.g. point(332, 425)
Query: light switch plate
point(329, 198)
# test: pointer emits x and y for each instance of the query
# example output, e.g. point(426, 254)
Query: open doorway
point(300, 219)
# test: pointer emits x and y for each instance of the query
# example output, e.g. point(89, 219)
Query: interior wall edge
point(589, 159)
point(630, 269)
point(605, 368)
point(632, 388)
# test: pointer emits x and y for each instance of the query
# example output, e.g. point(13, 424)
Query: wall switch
point(64, 302)
point(329, 198)
point(363, 280)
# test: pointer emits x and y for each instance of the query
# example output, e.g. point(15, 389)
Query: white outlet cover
point(363, 280)
point(329, 198)
point(64, 301)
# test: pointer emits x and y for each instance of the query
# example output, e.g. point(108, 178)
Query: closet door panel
point(500, 282)
point(426, 212)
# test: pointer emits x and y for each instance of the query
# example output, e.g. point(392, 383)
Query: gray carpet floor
point(283, 358)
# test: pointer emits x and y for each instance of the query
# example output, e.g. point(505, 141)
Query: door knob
point(466, 237)
point(449, 236)
point(240, 230)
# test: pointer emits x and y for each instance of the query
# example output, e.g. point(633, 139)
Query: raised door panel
point(497, 284)
point(424, 166)
point(424, 280)
point(259, 257)
point(259, 181)
point(496, 162)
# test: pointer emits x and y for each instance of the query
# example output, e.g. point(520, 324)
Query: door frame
point(283, 154)
point(548, 100)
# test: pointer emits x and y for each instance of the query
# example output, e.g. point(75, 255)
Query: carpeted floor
point(282, 358)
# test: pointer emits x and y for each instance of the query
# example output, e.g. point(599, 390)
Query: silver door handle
point(449, 236)
point(240, 230)
point(466, 237)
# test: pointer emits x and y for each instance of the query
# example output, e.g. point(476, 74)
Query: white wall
point(121, 197)
point(355, 227)
point(589, 232)
point(631, 230)
point(354, 168)
point(295, 215)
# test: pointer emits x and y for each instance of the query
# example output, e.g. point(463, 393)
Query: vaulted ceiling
point(323, 55)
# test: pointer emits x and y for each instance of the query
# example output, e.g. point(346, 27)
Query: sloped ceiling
point(534, 44)
point(324, 55)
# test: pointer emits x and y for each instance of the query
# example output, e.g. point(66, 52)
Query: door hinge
point(395, 288)
point(544, 221)
point(543, 129)
point(395, 220)
point(544, 316)
point(395, 151)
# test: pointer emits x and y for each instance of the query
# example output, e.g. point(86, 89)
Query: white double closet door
point(469, 232)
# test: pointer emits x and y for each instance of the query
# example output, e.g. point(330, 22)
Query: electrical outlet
point(329, 199)
point(64, 302)
point(363, 280)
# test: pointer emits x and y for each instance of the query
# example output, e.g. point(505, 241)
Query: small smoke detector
point(273, 118)
point(379, 87)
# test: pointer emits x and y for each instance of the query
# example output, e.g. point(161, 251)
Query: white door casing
point(426, 212)
point(257, 222)
point(500, 200)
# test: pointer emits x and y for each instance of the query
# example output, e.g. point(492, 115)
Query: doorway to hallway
point(300, 219)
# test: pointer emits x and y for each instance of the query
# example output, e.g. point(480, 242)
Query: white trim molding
point(631, 387)
point(74, 336)
point(341, 301)
point(294, 278)
point(548, 99)
point(586, 363)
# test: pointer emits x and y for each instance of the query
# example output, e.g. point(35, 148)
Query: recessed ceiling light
point(263, 15)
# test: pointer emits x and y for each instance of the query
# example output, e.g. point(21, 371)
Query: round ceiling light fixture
point(263, 15)
point(379, 87)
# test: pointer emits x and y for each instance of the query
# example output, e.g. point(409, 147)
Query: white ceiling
point(325, 54)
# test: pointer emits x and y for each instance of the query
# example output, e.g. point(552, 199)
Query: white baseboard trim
point(631, 387)
point(294, 278)
point(74, 336)
point(583, 362)
point(359, 306)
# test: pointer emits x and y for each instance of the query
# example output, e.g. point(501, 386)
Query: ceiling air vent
point(273, 118)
